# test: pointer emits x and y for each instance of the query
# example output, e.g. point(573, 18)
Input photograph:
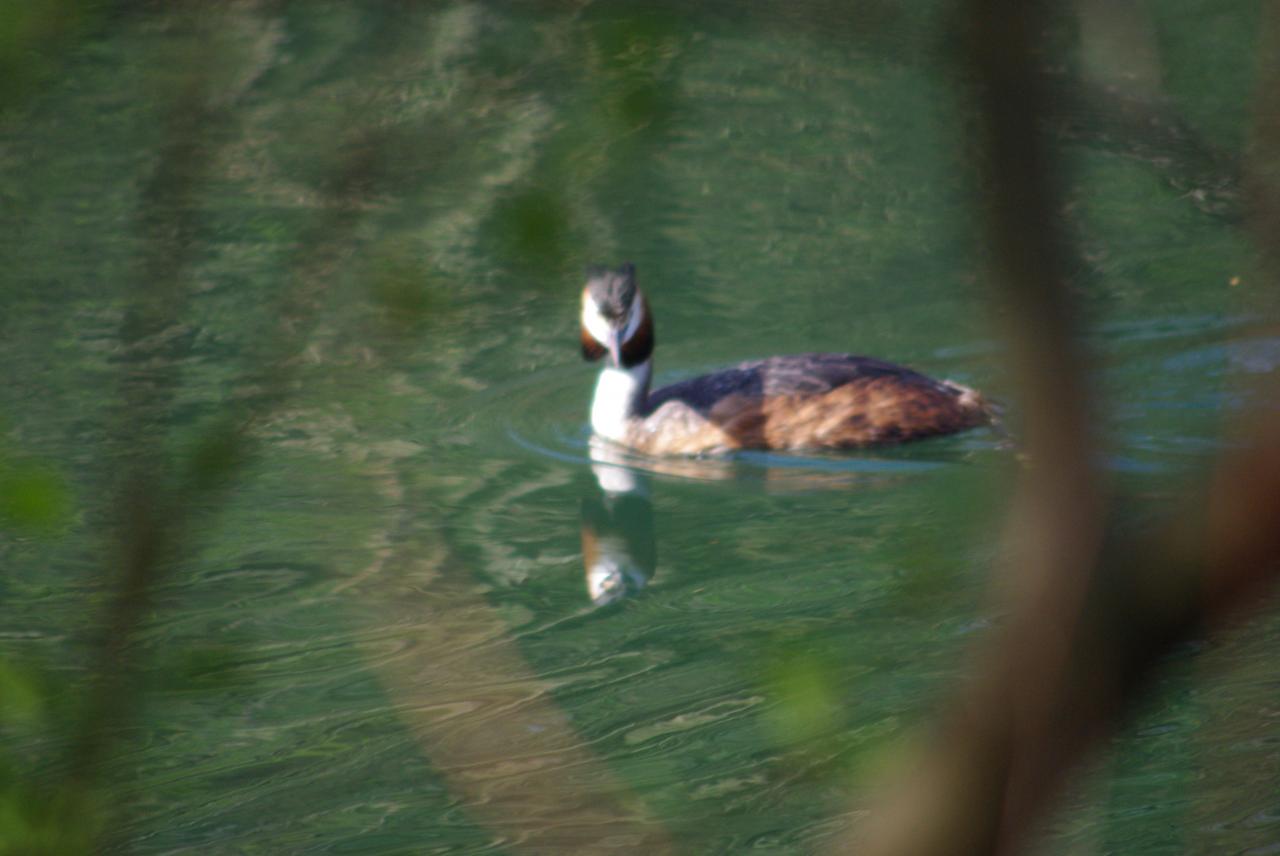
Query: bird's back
point(816, 401)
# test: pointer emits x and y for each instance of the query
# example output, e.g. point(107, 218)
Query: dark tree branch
point(1091, 617)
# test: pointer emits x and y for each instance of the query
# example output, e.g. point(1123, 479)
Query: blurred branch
point(561, 797)
point(1056, 523)
point(156, 495)
point(1091, 618)
point(973, 793)
point(151, 352)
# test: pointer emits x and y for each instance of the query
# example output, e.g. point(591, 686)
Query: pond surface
point(383, 636)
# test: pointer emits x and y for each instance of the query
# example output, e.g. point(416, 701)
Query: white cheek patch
point(593, 322)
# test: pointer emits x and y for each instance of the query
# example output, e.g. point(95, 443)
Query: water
point(383, 638)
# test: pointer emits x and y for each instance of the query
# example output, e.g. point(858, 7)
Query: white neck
point(620, 396)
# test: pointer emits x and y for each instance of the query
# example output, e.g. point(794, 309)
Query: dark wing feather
point(802, 374)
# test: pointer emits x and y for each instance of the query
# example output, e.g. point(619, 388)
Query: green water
point(379, 636)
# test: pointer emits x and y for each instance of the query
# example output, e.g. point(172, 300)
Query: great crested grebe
point(806, 401)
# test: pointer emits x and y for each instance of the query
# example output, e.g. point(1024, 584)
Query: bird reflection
point(619, 553)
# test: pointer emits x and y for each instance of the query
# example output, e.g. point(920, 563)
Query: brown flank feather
point(875, 412)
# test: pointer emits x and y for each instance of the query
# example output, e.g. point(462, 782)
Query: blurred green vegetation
point(39, 816)
point(34, 498)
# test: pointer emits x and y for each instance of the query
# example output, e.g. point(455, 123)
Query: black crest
point(612, 290)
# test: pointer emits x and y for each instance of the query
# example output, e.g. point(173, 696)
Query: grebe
point(807, 401)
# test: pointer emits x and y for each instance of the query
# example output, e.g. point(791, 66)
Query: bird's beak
point(614, 345)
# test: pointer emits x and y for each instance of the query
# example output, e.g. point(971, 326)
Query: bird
point(813, 401)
